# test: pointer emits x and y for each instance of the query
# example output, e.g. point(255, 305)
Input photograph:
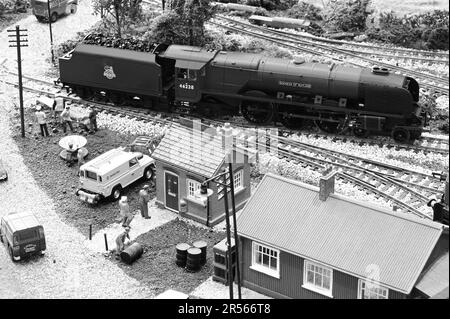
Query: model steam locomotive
point(264, 90)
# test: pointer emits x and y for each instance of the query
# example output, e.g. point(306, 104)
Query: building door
point(171, 191)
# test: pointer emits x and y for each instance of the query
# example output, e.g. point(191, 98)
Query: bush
point(425, 31)
point(346, 15)
point(222, 41)
point(304, 10)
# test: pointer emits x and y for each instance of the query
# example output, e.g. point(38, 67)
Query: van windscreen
point(27, 234)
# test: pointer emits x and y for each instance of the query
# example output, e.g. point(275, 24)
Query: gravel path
point(69, 270)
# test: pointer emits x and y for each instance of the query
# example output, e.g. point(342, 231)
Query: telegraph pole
point(18, 43)
point(50, 27)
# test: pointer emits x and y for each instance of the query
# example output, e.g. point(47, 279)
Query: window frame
point(182, 73)
point(133, 162)
point(260, 267)
point(364, 281)
point(188, 195)
point(240, 174)
point(312, 286)
point(220, 188)
point(87, 173)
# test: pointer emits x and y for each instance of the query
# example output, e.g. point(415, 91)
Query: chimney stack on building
point(326, 183)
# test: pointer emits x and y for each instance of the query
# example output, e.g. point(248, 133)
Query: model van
point(108, 174)
point(22, 234)
point(57, 8)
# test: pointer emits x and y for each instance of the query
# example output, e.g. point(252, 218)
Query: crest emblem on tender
point(109, 72)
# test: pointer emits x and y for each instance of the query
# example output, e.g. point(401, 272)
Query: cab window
point(192, 74)
point(182, 73)
point(133, 162)
point(81, 173)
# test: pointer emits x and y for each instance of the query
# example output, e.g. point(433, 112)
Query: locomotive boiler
point(264, 90)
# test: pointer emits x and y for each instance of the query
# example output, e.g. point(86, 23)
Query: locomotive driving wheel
point(290, 122)
point(328, 126)
point(257, 112)
point(360, 132)
point(401, 135)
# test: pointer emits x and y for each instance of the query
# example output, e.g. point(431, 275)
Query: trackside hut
point(297, 245)
point(184, 159)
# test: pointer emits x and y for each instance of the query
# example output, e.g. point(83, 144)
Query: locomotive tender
point(264, 90)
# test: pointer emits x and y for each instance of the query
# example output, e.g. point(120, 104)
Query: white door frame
point(165, 191)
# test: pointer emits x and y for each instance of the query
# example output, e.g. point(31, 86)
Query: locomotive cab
point(188, 80)
point(189, 70)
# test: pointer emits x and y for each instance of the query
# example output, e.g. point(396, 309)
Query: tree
point(346, 15)
point(121, 11)
point(184, 23)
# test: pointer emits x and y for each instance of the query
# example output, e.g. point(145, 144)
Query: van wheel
point(148, 174)
point(11, 254)
point(116, 192)
point(54, 17)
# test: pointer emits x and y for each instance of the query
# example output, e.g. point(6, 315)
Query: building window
point(318, 278)
point(266, 259)
point(369, 290)
point(238, 180)
point(192, 187)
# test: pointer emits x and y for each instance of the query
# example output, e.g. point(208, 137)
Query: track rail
point(411, 54)
point(392, 183)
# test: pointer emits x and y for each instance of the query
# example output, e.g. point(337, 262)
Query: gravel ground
point(157, 268)
point(9, 19)
point(61, 181)
point(68, 270)
point(139, 226)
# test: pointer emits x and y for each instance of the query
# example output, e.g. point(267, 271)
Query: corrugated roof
point(346, 235)
point(191, 150)
point(435, 278)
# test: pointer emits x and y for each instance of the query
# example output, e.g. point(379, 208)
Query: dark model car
point(3, 172)
point(22, 235)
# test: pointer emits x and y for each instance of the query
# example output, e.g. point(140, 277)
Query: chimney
point(326, 184)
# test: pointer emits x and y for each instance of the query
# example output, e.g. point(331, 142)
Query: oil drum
point(202, 245)
point(131, 253)
point(193, 259)
point(182, 254)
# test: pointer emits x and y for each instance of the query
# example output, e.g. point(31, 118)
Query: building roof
point(346, 235)
point(21, 221)
point(435, 278)
point(191, 150)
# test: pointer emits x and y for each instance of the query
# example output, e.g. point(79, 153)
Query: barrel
point(202, 245)
point(182, 254)
point(131, 253)
point(193, 259)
